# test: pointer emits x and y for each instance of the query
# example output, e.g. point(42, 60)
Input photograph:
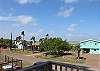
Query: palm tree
point(33, 38)
point(41, 40)
point(47, 36)
point(31, 42)
point(2, 40)
point(23, 34)
point(18, 38)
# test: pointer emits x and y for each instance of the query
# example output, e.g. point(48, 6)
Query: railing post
point(8, 58)
point(5, 58)
point(71, 69)
point(21, 64)
point(55, 67)
point(0, 67)
point(12, 63)
point(60, 68)
point(49, 66)
point(77, 68)
point(45, 68)
point(65, 68)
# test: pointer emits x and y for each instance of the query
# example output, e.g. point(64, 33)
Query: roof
point(36, 43)
point(90, 40)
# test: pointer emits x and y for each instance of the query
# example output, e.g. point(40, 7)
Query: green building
point(90, 46)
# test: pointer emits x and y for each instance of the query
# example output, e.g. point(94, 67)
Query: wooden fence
point(9, 63)
point(54, 66)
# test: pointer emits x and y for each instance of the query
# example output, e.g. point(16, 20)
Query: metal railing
point(54, 66)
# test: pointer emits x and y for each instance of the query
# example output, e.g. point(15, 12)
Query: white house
point(19, 44)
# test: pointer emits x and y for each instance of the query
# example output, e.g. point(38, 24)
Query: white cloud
point(70, 1)
point(72, 28)
point(19, 19)
point(40, 30)
point(66, 12)
point(7, 18)
point(28, 1)
point(24, 19)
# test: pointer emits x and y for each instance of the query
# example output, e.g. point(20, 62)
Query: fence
point(54, 66)
point(9, 63)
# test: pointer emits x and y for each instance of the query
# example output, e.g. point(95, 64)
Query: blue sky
point(69, 19)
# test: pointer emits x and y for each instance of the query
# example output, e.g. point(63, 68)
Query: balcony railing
point(54, 66)
point(9, 63)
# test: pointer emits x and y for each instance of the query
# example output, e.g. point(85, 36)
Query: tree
point(41, 40)
point(18, 38)
point(47, 36)
point(55, 46)
point(2, 40)
point(76, 48)
point(5, 42)
point(33, 38)
point(23, 34)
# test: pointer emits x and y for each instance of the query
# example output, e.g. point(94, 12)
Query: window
point(84, 43)
point(94, 49)
point(95, 43)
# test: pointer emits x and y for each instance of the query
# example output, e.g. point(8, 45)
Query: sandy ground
point(93, 61)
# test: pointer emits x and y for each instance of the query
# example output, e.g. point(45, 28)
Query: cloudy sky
point(69, 19)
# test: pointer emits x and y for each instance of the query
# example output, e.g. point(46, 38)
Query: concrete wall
point(94, 51)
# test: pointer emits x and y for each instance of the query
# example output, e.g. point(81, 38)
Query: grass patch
point(66, 58)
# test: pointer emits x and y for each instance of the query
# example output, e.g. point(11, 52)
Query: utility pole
point(11, 42)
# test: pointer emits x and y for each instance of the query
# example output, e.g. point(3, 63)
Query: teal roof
point(90, 40)
point(90, 44)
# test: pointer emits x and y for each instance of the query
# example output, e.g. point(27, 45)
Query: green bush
point(54, 46)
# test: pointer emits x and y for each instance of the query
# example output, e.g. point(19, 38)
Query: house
point(34, 46)
point(19, 45)
point(90, 46)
